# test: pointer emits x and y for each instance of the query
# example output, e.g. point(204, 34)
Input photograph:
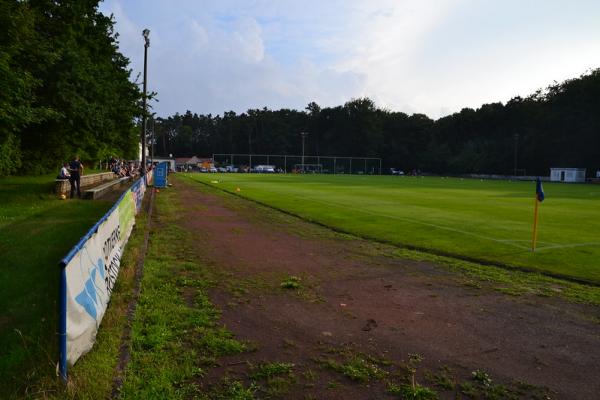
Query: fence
point(88, 274)
point(287, 163)
point(504, 177)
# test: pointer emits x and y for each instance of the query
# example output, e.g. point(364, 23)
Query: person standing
point(76, 170)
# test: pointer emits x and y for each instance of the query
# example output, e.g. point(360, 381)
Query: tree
point(65, 86)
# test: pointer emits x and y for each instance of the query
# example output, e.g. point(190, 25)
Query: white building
point(171, 161)
point(567, 174)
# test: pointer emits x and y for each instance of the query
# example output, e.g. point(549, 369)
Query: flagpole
point(535, 223)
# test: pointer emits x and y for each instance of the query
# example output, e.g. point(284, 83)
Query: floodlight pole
point(303, 134)
point(146, 34)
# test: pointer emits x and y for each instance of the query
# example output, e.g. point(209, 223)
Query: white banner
point(90, 273)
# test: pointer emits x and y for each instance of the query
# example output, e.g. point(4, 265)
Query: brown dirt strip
point(355, 295)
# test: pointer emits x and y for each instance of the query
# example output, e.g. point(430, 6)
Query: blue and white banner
point(89, 274)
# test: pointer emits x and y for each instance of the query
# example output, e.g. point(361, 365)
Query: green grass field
point(36, 231)
point(489, 221)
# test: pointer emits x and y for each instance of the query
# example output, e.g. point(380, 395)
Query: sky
point(414, 56)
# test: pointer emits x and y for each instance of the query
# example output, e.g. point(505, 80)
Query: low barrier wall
point(89, 272)
point(63, 186)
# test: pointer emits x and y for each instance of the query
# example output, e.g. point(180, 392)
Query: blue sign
point(160, 174)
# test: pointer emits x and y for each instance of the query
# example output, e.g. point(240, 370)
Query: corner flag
point(539, 190)
point(539, 197)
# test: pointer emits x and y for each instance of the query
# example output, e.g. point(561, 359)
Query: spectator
point(76, 170)
point(64, 172)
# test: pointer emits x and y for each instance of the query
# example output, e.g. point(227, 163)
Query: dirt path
point(356, 299)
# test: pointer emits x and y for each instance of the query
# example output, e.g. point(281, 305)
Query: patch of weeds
point(310, 294)
point(220, 342)
point(279, 386)
point(195, 283)
point(207, 361)
point(482, 387)
point(238, 291)
point(357, 368)
point(333, 385)
point(378, 360)
point(291, 282)
point(269, 370)
point(240, 288)
point(482, 377)
point(289, 344)
point(310, 375)
point(237, 231)
point(472, 284)
point(498, 392)
point(234, 390)
point(416, 392)
point(512, 291)
point(278, 377)
point(468, 389)
point(534, 392)
point(412, 389)
point(441, 378)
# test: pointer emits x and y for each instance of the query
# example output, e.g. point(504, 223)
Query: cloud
point(414, 56)
point(221, 61)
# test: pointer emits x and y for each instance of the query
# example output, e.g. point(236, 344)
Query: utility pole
point(146, 34)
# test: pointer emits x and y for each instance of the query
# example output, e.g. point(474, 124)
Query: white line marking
point(563, 246)
point(505, 241)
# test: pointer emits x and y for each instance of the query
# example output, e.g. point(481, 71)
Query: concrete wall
point(64, 187)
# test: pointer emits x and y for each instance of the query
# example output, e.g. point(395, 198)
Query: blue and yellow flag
point(539, 190)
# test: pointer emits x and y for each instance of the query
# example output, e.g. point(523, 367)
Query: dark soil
point(356, 299)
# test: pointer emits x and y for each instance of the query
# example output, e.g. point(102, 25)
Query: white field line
point(510, 242)
point(405, 219)
point(564, 246)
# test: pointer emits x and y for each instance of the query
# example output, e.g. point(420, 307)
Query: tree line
point(64, 86)
point(557, 126)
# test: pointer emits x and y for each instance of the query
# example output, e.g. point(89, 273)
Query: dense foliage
point(559, 126)
point(64, 86)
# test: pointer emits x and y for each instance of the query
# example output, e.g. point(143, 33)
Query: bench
point(100, 190)
point(62, 186)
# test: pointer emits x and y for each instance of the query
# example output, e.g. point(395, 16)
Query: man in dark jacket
point(76, 170)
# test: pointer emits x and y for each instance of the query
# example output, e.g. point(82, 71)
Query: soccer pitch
point(489, 221)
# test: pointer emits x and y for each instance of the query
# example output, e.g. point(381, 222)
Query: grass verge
point(36, 231)
point(176, 335)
